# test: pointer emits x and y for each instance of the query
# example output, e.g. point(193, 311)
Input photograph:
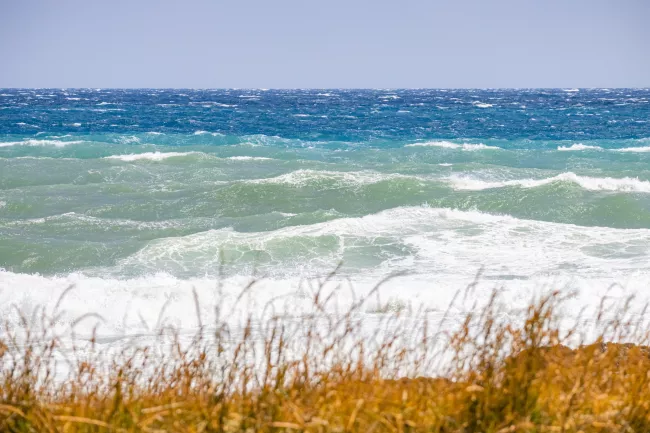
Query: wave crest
point(249, 158)
point(578, 146)
point(150, 156)
point(626, 184)
point(451, 145)
point(32, 142)
point(635, 149)
point(303, 177)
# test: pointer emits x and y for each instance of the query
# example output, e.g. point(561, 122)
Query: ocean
point(135, 198)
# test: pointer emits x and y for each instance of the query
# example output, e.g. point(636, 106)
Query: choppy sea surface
point(134, 197)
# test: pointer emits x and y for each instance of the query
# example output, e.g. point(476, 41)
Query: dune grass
point(495, 370)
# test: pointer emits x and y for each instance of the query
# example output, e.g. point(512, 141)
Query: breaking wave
point(31, 142)
point(578, 146)
point(151, 156)
point(626, 184)
point(451, 145)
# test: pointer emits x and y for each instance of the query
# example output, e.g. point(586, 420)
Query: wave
point(249, 158)
point(303, 177)
point(207, 104)
point(43, 158)
point(214, 134)
point(403, 238)
point(75, 218)
point(482, 104)
point(451, 145)
point(435, 245)
point(151, 156)
point(154, 156)
point(578, 146)
point(635, 149)
point(302, 249)
point(626, 184)
point(31, 142)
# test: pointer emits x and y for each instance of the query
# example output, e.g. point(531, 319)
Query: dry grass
point(492, 372)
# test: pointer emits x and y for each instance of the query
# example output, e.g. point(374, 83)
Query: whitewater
point(135, 209)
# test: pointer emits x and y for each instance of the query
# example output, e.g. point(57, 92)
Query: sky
point(324, 44)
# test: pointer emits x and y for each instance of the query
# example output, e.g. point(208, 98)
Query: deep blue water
point(334, 115)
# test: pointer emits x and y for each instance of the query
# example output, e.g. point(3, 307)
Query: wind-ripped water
point(137, 196)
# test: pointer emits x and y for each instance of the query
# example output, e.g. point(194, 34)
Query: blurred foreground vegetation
point(493, 370)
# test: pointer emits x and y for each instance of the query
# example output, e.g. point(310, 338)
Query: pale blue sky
point(333, 43)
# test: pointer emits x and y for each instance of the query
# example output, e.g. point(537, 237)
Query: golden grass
point(523, 372)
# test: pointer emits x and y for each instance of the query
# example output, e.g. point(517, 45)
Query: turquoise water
point(109, 189)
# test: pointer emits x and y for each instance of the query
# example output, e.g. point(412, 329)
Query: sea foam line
point(634, 149)
point(578, 146)
point(450, 145)
point(159, 156)
point(249, 158)
point(304, 176)
point(150, 156)
point(31, 142)
point(626, 184)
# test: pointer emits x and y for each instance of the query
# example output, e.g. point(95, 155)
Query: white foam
point(208, 104)
point(577, 147)
point(635, 149)
point(482, 104)
point(249, 158)
point(150, 156)
point(444, 249)
point(31, 142)
point(451, 145)
point(128, 139)
point(43, 158)
point(214, 134)
point(70, 218)
point(339, 179)
point(305, 255)
point(3, 204)
point(626, 184)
